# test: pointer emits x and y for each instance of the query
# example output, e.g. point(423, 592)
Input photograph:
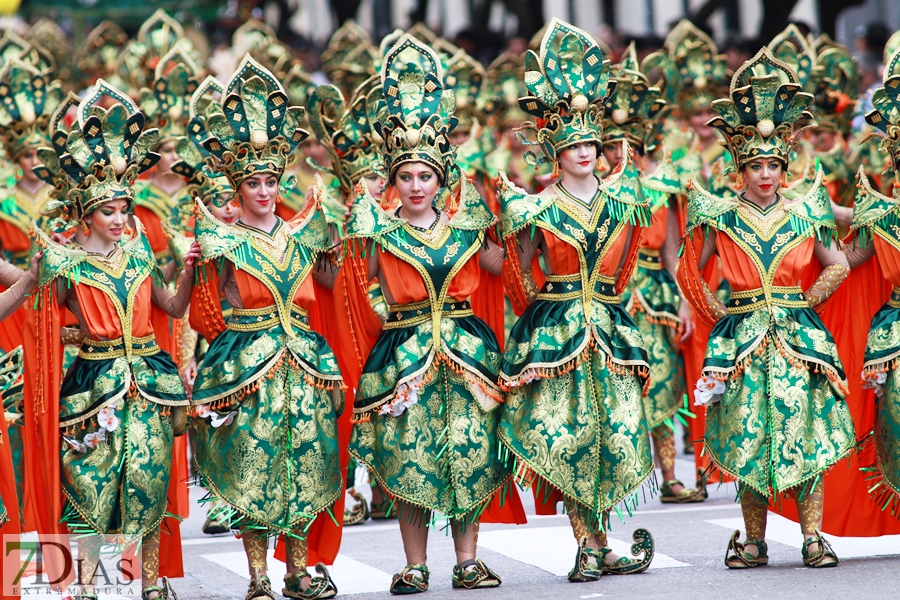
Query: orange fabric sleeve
point(153, 229)
point(691, 281)
point(654, 235)
point(889, 259)
point(12, 238)
point(205, 316)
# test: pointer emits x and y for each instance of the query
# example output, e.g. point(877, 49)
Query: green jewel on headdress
point(157, 37)
point(202, 181)
point(758, 119)
point(632, 105)
point(417, 116)
point(568, 85)
point(702, 71)
point(257, 131)
point(464, 76)
point(886, 116)
point(350, 58)
point(27, 100)
point(166, 103)
point(104, 153)
point(346, 130)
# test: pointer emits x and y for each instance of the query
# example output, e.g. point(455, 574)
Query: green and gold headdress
point(568, 84)
point(886, 115)
point(793, 49)
point(504, 85)
point(104, 153)
point(202, 181)
point(765, 102)
point(464, 76)
point(257, 130)
point(346, 130)
point(632, 105)
point(165, 103)
point(418, 113)
point(702, 71)
point(50, 170)
point(27, 100)
point(156, 38)
point(350, 58)
point(836, 88)
point(101, 51)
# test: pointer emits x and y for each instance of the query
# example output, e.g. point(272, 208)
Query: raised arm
point(176, 305)
point(835, 271)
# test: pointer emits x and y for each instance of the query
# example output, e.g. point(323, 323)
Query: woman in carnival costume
point(873, 232)
point(655, 301)
point(268, 391)
point(427, 401)
point(772, 379)
point(574, 365)
point(122, 401)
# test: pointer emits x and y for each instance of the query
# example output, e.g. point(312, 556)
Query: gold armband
point(829, 281)
point(529, 284)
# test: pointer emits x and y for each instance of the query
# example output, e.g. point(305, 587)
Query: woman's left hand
point(687, 323)
point(192, 254)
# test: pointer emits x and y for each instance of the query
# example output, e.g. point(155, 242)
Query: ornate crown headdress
point(416, 118)
point(104, 154)
point(202, 181)
point(350, 58)
point(346, 130)
point(702, 71)
point(48, 36)
point(50, 170)
point(102, 50)
point(632, 105)
point(464, 76)
point(835, 91)
point(568, 84)
point(165, 103)
point(27, 100)
point(886, 115)
point(765, 102)
point(157, 37)
point(504, 85)
point(257, 130)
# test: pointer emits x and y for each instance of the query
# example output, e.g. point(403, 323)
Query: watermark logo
point(71, 565)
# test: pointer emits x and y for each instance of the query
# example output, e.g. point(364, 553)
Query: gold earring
point(739, 182)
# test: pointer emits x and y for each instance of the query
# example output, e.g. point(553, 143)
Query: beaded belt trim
point(751, 300)
point(115, 348)
point(559, 288)
point(409, 315)
point(257, 319)
point(649, 259)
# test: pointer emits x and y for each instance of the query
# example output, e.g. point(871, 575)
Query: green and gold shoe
point(413, 579)
point(587, 564)
point(319, 588)
point(643, 543)
point(737, 557)
point(823, 556)
point(474, 574)
point(685, 496)
point(359, 514)
point(260, 587)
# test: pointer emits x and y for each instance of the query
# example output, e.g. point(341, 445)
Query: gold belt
point(745, 301)
point(107, 349)
point(257, 319)
point(410, 315)
point(649, 259)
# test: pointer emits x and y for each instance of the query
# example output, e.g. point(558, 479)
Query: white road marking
point(784, 531)
point(350, 576)
point(553, 548)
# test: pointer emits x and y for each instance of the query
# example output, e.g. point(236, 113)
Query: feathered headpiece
point(166, 103)
point(418, 113)
point(886, 116)
point(104, 153)
point(765, 102)
point(27, 100)
point(568, 84)
point(257, 131)
point(632, 106)
point(202, 181)
point(346, 130)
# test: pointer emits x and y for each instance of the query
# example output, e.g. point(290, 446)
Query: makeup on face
point(108, 220)
point(417, 184)
point(578, 160)
point(258, 194)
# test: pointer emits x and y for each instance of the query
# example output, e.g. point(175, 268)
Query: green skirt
point(12, 395)
point(116, 478)
point(782, 420)
point(266, 428)
point(441, 452)
point(653, 305)
point(573, 413)
point(882, 355)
